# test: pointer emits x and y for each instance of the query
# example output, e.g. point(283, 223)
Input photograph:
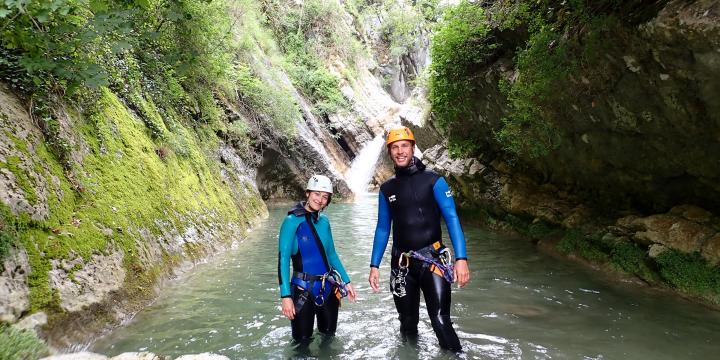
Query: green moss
point(535, 230)
point(10, 226)
point(41, 247)
point(127, 188)
point(574, 242)
point(629, 257)
point(20, 344)
point(539, 230)
point(691, 274)
point(20, 145)
point(22, 178)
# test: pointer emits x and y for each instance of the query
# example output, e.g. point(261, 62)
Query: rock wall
point(632, 184)
point(86, 243)
point(636, 123)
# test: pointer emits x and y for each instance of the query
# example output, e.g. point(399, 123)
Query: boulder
point(77, 356)
point(672, 231)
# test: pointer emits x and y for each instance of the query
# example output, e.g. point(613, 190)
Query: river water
point(520, 304)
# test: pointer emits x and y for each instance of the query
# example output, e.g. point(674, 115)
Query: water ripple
point(519, 305)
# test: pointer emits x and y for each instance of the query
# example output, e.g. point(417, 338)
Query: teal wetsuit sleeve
point(445, 201)
point(285, 248)
point(332, 255)
point(382, 231)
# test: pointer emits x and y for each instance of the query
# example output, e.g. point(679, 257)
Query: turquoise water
point(520, 304)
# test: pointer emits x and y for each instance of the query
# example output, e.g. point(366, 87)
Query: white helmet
point(319, 183)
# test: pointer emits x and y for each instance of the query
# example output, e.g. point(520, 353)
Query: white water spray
point(363, 166)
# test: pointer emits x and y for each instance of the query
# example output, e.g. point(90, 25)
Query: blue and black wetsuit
point(297, 242)
point(412, 203)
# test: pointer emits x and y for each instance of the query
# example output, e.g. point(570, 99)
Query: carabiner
point(407, 260)
point(445, 257)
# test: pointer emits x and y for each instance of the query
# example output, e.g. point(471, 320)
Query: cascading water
point(363, 166)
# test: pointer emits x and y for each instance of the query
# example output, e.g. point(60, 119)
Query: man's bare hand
point(462, 273)
point(374, 279)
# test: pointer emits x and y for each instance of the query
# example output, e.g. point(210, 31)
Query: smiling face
point(401, 152)
point(316, 200)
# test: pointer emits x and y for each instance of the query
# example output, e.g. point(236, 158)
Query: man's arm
point(444, 199)
point(382, 233)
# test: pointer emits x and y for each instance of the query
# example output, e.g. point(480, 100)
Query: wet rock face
point(652, 133)
point(405, 69)
point(277, 179)
point(81, 283)
point(288, 161)
point(686, 228)
point(24, 178)
point(14, 291)
point(638, 128)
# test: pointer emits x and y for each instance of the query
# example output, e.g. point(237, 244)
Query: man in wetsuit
point(413, 202)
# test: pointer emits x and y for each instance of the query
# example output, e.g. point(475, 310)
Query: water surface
point(520, 304)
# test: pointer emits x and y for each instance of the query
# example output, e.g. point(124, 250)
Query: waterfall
point(363, 166)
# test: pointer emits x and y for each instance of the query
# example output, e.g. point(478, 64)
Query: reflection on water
point(519, 305)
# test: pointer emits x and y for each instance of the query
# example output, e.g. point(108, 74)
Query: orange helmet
point(397, 134)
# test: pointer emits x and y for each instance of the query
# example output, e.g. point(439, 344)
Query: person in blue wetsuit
point(319, 279)
point(412, 202)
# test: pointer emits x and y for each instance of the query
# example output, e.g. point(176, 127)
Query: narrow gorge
point(139, 139)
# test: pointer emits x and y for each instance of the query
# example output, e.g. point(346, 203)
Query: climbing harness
point(307, 282)
point(442, 265)
point(332, 277)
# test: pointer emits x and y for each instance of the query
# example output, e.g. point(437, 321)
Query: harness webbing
point(308, 218)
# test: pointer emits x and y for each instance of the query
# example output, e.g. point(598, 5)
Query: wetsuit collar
point(415, 166)
point(299, 210)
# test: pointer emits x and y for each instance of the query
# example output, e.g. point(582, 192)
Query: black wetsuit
point(413, 202)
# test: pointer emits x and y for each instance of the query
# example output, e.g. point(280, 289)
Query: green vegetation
point(171, 62)
point(181, 54)
point(310, 41)
point(18, 344)
point(575, 242)
point(536, 230)
point(552, 42)
point(460, 45)
point(144, 85)
point(403, 22)
point(691, 274)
